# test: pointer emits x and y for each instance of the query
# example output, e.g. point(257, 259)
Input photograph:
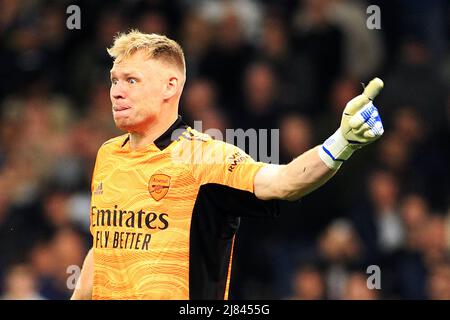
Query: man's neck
point(139, 140)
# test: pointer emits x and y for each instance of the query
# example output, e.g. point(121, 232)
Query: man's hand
point(360, 125)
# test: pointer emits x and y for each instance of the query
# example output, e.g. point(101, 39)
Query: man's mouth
point(118, 108)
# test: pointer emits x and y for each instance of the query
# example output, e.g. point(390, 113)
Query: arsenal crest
point(158, 186)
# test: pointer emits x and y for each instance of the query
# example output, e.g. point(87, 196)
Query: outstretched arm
point(360, 125)
point(294, 180)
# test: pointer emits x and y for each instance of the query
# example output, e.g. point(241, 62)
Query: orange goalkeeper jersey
point(163, 218)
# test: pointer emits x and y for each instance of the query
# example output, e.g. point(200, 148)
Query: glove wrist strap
point(335, 150)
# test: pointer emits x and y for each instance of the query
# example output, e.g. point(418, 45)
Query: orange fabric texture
point(141, 209)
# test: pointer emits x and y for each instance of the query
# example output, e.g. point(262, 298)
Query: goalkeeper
point(164, 229)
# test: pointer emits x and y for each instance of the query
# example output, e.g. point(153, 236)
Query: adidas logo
point(99, 189)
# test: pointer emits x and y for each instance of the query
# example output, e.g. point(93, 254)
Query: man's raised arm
point(360, 125)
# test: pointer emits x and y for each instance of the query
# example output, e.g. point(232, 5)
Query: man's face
point(137, 89)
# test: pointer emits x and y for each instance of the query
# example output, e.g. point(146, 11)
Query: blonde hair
point(157, 47)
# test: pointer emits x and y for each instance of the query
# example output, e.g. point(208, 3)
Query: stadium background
point(284, 64)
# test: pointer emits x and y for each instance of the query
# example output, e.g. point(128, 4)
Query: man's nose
point(117, 92)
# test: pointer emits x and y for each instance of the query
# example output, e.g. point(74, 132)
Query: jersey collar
point(164, 140)
point(167, 137)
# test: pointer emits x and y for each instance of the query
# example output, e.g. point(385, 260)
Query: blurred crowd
point(263, 64)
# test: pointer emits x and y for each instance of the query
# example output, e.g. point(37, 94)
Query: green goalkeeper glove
point(360, 125)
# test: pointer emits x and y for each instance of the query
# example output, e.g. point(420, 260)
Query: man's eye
point(114, 81)
point(132, 80)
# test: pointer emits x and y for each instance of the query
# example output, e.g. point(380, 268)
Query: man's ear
point(171, 87)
